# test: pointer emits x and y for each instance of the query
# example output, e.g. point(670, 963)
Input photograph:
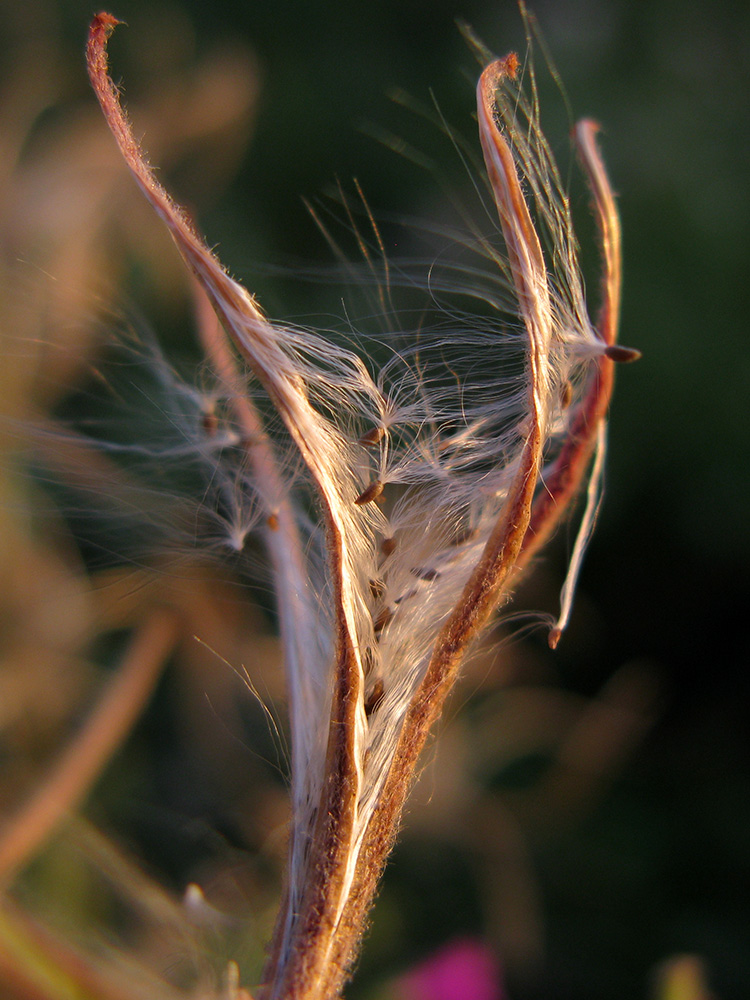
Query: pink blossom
point(464, 969)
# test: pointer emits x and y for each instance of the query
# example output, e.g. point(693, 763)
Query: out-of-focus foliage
point(585, 812)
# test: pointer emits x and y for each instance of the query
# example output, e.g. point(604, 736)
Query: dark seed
point(425, 573)
point(372, 492)
point(623, 355)
point(382, 620)
point(210, 423)
point(566, 395)
point(374, 698)
point(373, 436)
point(405, 597)
point(388, 546)
point(465, 536)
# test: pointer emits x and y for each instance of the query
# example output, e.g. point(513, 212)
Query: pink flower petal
point(465, 969)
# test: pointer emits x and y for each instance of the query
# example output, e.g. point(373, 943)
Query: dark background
point(657, 862)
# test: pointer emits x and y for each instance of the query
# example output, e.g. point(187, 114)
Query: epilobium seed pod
point(492, 423)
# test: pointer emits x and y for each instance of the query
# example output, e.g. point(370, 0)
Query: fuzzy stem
point(258, 342)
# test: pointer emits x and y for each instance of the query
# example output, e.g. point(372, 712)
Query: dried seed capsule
point(372, 492)
point(374, 436)
point(616, 352)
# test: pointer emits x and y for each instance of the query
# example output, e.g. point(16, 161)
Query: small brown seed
point(468, 535)
point(405, 597)
point(425, 573)
point(272, 522)
point(372, 492)
point(374, 698)
point(566, 395)
point(382, 620)
point(623, 355)
point(554, 637)
point(374, 436)
point(388, 546)
point(210, 423)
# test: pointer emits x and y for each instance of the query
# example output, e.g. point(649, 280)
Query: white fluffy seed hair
point(411, 461)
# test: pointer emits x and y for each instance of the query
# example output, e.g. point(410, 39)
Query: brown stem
point(260, 344)
point(478, 601)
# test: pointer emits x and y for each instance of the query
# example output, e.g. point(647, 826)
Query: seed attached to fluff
point(272, 522)
point(406, 596)
point(382, 620)
point(372, 492)
point(210, 423)
point(566, 395)
point(374, 698)
point(425, 573)
point(467, 535)
point(368, 661)
point(373, 436)
point(623, 355)
point(388, 546)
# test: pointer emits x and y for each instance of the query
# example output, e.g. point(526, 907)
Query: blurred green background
point(581, 893)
